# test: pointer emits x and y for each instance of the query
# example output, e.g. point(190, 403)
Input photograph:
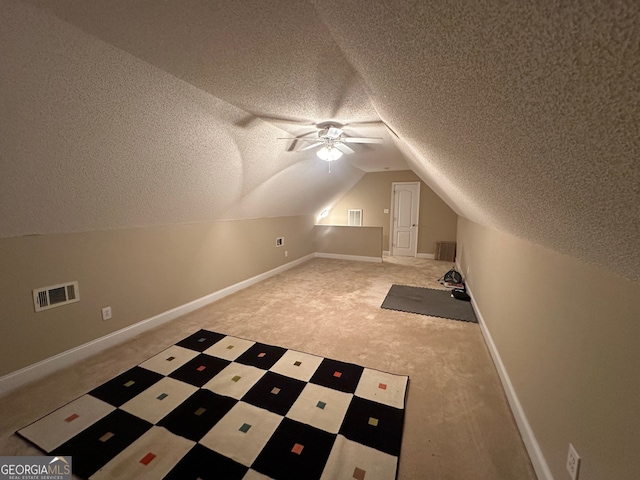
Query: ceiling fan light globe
point(329, 154)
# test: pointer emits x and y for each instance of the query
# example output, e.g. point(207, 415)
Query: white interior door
point(404, 234)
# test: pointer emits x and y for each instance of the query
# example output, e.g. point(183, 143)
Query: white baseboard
point(45, 367)
point(430, 256)
point(358, 258)
point(528, 437)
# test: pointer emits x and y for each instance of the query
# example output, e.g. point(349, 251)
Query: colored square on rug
point(171, 359)
point(102, 441)
point(274, 392)
point(260, 412)
point(201, 340)
point(126, 386)
point(261, 355)
point(197, 415)
point(229, 348)
point(295, 450)
point(200, 369)
point(337, 375)
point(235, 380)
point(428, 301)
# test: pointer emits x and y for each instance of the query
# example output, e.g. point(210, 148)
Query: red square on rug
point(147, 458)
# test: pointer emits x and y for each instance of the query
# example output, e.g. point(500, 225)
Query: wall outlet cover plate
point(573, 462)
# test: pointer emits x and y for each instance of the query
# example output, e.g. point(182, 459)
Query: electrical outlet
point(279, 241)
point(106, 313)
point(286, 253)
point(573, 462)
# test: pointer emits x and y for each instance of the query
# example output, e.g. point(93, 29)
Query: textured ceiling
point(522, 116)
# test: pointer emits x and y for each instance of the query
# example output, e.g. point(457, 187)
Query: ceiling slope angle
point(278, 64)
point(119, 143)
point(275, 65)
point(524, 117)
point(527, 115)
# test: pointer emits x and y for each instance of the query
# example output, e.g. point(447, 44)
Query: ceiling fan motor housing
point(330, 133)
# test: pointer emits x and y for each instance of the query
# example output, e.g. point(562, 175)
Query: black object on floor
point(427, 301)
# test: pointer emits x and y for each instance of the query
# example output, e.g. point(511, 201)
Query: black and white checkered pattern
point(217, 406)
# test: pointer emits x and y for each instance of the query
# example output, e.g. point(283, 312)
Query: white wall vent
point(355, 218)
point(445, 251)
point(55, 296)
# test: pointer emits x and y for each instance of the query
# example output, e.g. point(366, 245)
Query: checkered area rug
point(216, 406)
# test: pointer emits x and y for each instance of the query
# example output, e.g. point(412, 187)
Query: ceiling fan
point(332, 141)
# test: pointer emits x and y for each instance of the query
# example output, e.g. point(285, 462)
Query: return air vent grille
point(355, 218)
point(446, 251)
point(55, 296)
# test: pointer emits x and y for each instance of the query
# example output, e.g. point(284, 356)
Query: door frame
point(393, 208)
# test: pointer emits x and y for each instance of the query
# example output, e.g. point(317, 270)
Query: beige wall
point(569, 336)
point(139, 272)
point(372, 194)
point(342, 240)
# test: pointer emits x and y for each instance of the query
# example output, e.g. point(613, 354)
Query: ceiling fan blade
point(361, 140)
point(309, 147)
point(292, 146)
point(245, 121)
point(343, 148)
point(302, 139)
point(369, 122)
point(283, 120)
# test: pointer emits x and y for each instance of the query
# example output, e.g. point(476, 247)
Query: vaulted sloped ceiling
point(523, 116)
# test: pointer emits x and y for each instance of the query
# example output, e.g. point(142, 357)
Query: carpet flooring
point(217, 406)
point(458, 423)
